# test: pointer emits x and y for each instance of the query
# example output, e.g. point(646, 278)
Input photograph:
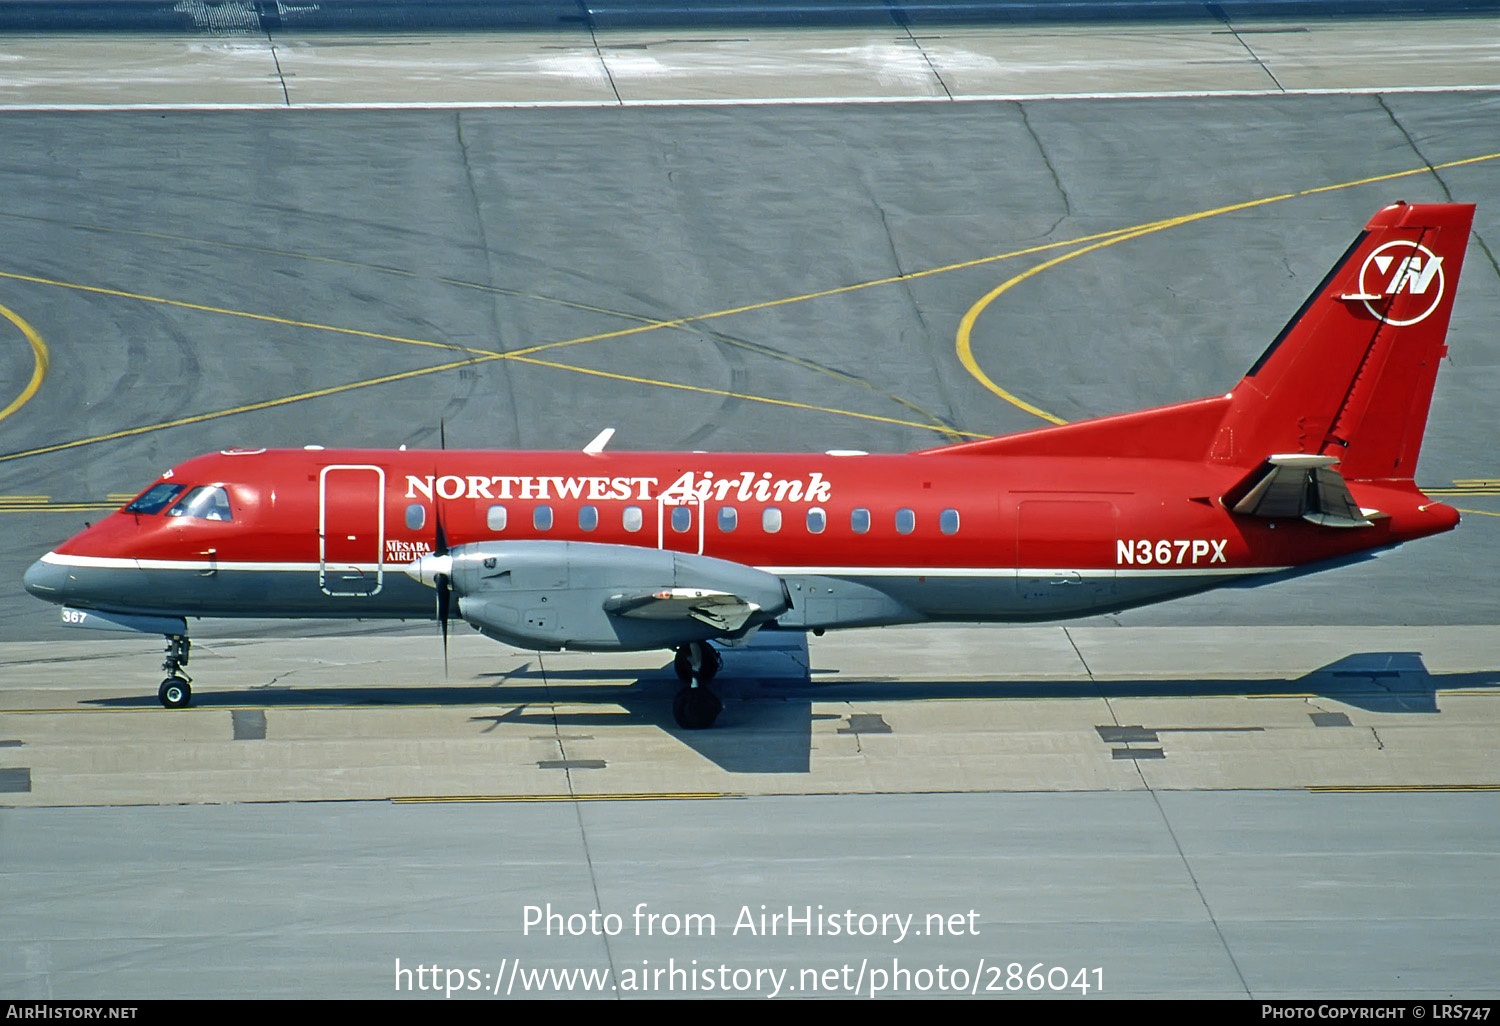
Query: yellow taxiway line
point(39, 361)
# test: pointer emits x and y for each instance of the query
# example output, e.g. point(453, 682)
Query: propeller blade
point(441, 582)
point(443, 592)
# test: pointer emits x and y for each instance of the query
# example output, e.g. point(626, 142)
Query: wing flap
point(720, 610)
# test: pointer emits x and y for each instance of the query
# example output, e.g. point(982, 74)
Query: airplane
point(1307, 463)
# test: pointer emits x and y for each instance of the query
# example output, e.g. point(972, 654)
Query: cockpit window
point(156, 498)
point(206, 502)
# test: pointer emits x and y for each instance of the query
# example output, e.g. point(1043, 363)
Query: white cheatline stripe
point(119, 563)
point(978, 572)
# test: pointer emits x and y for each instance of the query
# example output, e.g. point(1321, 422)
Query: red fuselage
point(948, 536)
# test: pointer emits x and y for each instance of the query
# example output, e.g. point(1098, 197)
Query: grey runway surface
point(237, 57)
point(210, 279)
point(1207, 895)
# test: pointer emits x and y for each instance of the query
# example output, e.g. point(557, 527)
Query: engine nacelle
point(594, 597)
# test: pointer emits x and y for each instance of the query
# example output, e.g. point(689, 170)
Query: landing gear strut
point(175, 692)
point(695, 707)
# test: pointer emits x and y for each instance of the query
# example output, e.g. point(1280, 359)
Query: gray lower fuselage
point(819, 598)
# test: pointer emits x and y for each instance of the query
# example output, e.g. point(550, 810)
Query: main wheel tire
point(174, 693)
point(712, 663)
point(709, 662)
point(696, 708)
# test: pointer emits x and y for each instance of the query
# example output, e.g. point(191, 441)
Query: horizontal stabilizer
point(1300, 485)
point(717, 609)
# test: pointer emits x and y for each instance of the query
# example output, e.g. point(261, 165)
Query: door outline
point(323, 581)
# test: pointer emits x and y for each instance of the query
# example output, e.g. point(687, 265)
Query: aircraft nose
point(45, 580)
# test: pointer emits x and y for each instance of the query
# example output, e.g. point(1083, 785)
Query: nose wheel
point(175, 692)
point(695, 707)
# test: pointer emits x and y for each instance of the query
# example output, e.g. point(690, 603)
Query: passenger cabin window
point(588, 518)
point(206, 502)
point(682, 518)
point(416, 516)
point(948, 521)
point(817, 520)
point(906, 521)
point(495, 518)
point(632, 519)
point(541, 518)
point(859, 521)
point(770, 520)
point(156, 498)
point(728, 519)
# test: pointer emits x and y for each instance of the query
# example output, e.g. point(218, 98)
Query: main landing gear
point(175, 692)
point(695, 707)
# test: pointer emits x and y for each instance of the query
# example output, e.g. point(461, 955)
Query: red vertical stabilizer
point(1350, 376)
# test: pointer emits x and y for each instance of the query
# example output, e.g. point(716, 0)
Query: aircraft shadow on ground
point(766, 725)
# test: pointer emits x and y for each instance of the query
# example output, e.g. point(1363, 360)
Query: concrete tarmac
point(913, 710)
point(1271, 895)
point(580, 65)
point(1164, 796)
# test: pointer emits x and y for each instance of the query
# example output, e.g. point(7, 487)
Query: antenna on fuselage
point(595, 447)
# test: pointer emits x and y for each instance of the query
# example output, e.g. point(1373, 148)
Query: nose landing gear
point(695, 707)
point(175, 692)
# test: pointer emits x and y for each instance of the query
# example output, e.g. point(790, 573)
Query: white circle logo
point(1397, 267)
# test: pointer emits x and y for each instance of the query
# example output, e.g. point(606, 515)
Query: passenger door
point(351, 530)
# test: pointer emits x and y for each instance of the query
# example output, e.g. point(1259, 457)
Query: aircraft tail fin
point(1351, 375)
point(1349, 378)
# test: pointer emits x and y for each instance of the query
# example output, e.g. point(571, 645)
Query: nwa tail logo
point(1399, 267)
